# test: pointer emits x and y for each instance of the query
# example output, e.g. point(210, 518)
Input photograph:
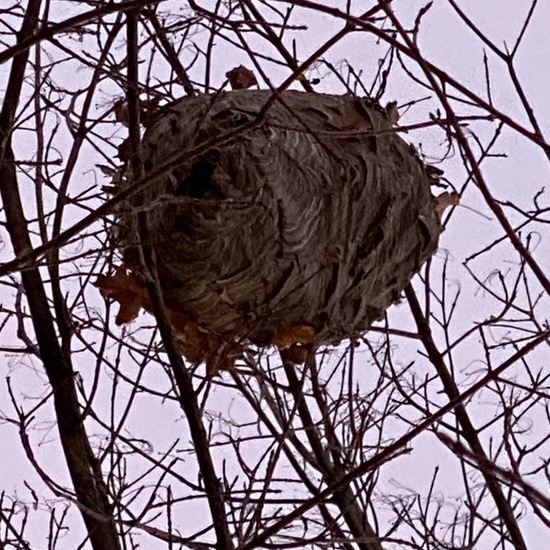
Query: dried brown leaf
point(298, 334)
point(445, 200)
point(392, 112)
point(120, 108)
point(126, 289)
point(188, 336)
point(241, 78)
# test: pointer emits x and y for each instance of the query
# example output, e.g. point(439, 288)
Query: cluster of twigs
point(431, 431)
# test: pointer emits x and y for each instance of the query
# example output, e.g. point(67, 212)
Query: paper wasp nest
point(300, 226)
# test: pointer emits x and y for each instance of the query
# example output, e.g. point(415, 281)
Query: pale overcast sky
point(446, 42)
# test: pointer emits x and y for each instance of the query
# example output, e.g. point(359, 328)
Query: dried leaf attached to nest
point(195, 344)
point(241, 78)
point(392, 112)
point(126, 289)
point(444, 201)
point(298, 334)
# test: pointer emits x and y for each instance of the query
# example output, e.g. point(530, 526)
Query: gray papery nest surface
point(317, 214)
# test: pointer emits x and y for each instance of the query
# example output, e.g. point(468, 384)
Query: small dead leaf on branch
point(189, 338)
point(241, 78)
point(392, 112)
point(197, 345)
point(445, 200)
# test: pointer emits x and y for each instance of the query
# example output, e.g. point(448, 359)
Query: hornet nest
point(295, 224)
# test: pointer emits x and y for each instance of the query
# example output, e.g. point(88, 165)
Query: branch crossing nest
point(298, 227)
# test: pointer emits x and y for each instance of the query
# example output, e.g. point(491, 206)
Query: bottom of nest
point(197, 344)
